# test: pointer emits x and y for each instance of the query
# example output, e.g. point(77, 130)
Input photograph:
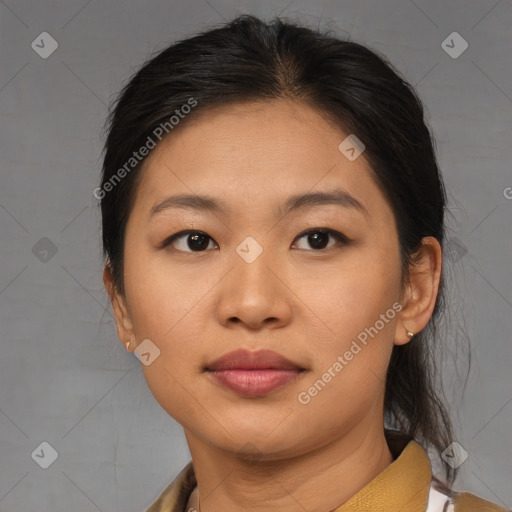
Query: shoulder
point(443, 499)
point(175, 496)
point(467, 502)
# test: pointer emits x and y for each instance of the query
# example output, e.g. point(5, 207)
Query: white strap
point(437, 501)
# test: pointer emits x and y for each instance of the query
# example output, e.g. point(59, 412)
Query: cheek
point(350, 368)
point(353, 295)
point(165, 306)
point(166, 309)
point(358, 306)
point(160, 294)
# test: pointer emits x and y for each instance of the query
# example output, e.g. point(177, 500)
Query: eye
point(188, 241)
point(198, 241)
point(318, 238)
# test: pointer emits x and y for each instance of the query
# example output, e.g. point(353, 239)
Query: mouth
point(253, 373)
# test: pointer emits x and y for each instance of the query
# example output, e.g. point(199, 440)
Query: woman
point(273, 224)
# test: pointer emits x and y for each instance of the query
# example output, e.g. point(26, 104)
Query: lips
point(253, 373)
point(246, 360)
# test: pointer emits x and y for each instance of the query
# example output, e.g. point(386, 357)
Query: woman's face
point(256, 281)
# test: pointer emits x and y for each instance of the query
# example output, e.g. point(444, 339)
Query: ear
point(121, 315)
point(421, 290)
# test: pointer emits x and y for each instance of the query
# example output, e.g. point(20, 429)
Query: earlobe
point(121, 315)
point(423, 287)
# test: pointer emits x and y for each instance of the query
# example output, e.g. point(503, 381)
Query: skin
point(308, 304)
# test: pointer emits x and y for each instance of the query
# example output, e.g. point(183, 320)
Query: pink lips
point(253, 373)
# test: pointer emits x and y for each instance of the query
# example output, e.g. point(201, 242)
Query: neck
point(318, 481)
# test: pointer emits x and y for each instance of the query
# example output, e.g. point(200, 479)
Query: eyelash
point(340, 237)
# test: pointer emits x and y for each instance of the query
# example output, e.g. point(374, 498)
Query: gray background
point(65, 378)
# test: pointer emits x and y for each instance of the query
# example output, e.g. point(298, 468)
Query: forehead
point(253, 154)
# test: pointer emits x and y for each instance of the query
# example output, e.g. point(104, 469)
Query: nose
point(255, 294)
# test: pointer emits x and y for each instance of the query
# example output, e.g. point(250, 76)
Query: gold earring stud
point(128, 344)
point(410, 334)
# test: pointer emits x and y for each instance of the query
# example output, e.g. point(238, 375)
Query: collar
point(403, 485)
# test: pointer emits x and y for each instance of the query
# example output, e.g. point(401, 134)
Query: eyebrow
point(338, 197)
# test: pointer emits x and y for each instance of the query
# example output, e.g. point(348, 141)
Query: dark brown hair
point(248, 59)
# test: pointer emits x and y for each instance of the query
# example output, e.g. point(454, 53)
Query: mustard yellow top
point(406, 485)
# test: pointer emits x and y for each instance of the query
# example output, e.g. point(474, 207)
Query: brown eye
point(318, 238)
point(189, 241)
